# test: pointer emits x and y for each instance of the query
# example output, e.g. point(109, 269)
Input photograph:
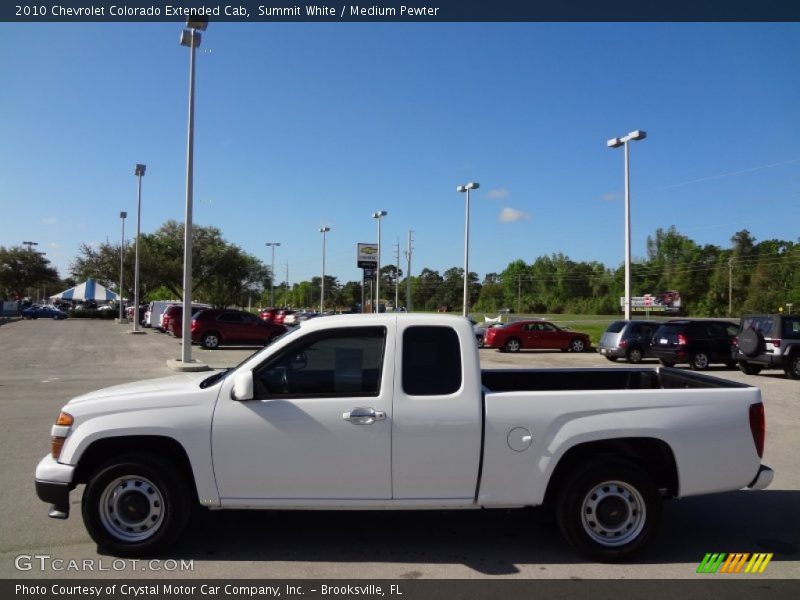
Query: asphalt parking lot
point(45, 363)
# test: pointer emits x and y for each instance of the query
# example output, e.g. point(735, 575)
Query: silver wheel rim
point(577, 346)
point(212, 341)
point(613, 513)
point(701, 361)
point(132, 508)
point(513, 345)
point(636, 356)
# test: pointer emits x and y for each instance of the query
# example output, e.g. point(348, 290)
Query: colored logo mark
point(737, 562)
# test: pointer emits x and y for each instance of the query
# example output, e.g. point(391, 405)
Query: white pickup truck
point(394, 412)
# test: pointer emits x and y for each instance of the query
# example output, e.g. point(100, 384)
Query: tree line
point(748, 276)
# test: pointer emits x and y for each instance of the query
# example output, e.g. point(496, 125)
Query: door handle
point(364, 415)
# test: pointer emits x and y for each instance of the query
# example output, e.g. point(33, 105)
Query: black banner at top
point(419, 11)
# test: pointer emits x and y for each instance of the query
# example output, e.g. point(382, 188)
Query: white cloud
point(49, 221)
point(497, 194)
point(509, 215)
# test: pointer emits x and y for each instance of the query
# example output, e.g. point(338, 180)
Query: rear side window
point(615, 327)
point(431, 361)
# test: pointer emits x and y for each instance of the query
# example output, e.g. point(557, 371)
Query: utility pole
point(730, 286)
point(409, 252)
point(286, 295)
point(397, 275)
point(519, 291)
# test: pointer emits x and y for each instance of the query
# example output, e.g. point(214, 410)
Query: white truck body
point(493, 439)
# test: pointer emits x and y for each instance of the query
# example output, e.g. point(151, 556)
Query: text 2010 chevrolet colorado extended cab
point(394, 412)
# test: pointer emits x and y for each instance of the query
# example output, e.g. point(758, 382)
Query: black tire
point(577, 345)
point(136, 505)
point(512, 345)
point(699, 361)
point(666, 363)
point(792, 369)
point(612, 358)
point(479, 339)
point(211, 341)
point(751, 342)
point(634, 355)
point(749, 368)
point(609, 509)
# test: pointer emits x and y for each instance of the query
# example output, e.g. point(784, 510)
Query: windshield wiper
point(209, 381)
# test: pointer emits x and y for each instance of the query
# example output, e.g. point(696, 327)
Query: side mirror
point(242, 386)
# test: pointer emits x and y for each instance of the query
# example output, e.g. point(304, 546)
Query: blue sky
point(303, 125)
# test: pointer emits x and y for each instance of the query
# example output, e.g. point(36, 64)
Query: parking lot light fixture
point(191, 38)
point(139, 172)
point(633, 136)
point(122, 215)
point(272, 274)
point(472, 185)
point(323, 231)
point(378, 215)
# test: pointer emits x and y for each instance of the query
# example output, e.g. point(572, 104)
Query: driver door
point(319, 426)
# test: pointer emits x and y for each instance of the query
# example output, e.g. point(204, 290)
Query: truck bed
point(530, 380)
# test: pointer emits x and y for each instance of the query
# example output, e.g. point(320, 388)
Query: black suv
point(697, 342)
point(768, 342)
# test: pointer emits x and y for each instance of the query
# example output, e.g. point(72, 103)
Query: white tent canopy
point(88, 290)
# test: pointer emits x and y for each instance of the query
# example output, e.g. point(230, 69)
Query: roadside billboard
point(367, 255)
point(664, 302)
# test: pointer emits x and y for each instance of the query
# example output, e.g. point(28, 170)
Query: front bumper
point(53, 484)
point(762, 479)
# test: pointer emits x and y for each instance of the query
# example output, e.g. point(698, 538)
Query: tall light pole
point(139, 172)
point(378, 215)
point(272, 274)
point(122, 216)
point(472, 185)
point(616, 143)
point(323, 231)
point(191, 38)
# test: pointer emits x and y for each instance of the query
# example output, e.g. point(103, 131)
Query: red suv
point(535, 335)
point(211, 328)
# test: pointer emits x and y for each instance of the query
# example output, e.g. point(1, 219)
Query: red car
point(172, 319)
point(214, 327)
point(268, 314)
point(537, 335)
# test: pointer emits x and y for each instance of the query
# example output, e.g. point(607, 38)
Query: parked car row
point(755, 343)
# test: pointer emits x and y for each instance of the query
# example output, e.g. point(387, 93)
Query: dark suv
point(627, 339)
point(697, 342)
point(211, 328)
point(768, 342)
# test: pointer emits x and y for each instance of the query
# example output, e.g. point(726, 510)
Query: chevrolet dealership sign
point(367, 256)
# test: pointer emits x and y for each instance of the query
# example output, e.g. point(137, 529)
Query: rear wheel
point(609, 509)
point(699, 361)
point(210, 341)
point(749, 368)
point(634, 355)
point(136, 505)
point(793, 368)
point(512, 345)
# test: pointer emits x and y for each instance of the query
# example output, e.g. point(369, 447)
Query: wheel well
point(164, 448)
point(653, 455)
point(211, 332)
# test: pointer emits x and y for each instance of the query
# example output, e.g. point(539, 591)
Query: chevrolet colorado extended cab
point(393, 412)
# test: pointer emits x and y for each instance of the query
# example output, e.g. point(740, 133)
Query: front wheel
point(609, 510)
point(136, 505)
point(577, 345)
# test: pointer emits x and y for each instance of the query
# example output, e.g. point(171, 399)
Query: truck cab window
point(431, 361)
point(337, 363)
